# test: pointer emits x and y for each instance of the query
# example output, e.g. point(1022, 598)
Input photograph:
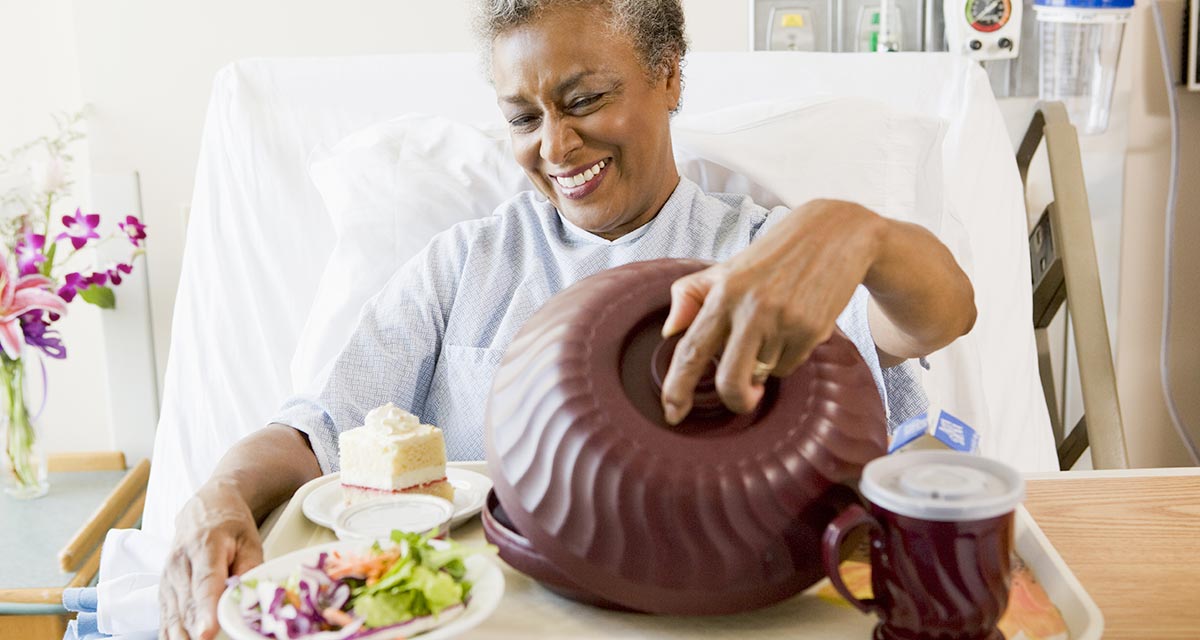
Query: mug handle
point(831, 545)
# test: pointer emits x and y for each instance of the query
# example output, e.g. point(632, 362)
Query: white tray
point(1079, 611)
point(529, 611)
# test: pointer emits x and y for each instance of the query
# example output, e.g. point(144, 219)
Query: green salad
point(408, 586)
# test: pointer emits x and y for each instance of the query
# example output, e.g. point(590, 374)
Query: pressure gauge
point(983, 29)
point(988, 15)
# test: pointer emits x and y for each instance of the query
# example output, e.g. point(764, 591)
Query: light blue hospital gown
point(431, 340)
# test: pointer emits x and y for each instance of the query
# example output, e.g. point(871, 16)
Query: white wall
point(39, 76)
point(145, 67)
point(1153, 440)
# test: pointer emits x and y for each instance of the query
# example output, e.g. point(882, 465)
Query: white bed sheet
point(259, 236)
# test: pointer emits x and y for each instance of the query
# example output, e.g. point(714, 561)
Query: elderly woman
point(588, 89)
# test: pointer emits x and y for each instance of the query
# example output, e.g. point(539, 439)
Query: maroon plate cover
point(720, 514)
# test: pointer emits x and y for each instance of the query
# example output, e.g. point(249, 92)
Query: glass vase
point(24, 465)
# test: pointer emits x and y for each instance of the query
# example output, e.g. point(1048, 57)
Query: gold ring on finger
point(761, 371)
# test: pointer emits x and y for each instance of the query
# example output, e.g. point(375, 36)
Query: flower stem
point(20, 434)
point(48, 265)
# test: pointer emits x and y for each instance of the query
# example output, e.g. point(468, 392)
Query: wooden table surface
point(1133, 540)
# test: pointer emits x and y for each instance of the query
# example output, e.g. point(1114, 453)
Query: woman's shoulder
point(512, 221)
point(736, 202)
point(749, 204)
point(472, 246)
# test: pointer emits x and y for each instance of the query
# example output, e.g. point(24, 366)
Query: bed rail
point(1063, 261)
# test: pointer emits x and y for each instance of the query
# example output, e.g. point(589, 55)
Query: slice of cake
point(393, 453)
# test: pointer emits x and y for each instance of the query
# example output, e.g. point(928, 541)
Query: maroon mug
point(941, 533)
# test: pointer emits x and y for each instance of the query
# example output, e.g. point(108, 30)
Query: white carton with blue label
point(943, 431)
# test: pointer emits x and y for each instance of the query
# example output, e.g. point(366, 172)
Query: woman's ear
point(671, 75)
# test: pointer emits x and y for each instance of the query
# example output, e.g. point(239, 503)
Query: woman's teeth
point(580, 178)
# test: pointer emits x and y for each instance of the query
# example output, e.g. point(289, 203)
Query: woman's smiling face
point(589, 125)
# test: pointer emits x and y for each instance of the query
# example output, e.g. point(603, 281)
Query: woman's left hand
point(764, 311)
point(768, 307)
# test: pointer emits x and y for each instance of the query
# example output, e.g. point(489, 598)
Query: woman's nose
point(559, 139)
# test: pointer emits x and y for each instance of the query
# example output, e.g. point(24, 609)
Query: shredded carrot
point(337, 616)
point(366, 567)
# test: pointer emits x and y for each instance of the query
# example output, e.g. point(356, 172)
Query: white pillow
point(389, 189)
point(845, 148)
point(392, 186)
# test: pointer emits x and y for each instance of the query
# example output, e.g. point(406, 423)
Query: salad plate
point(323, 504)
point(281, 585)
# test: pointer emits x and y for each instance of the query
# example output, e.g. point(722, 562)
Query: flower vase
point(24, 465)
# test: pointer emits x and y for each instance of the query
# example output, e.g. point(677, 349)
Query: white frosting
point(390, 420)
point(384, 427)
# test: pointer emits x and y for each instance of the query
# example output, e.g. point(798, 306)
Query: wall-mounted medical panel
point(869, 25)
point(792, 25)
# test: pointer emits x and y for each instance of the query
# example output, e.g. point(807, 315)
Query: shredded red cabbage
point(286, 620)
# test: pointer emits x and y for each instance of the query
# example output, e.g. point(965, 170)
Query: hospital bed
point(263, 296)
point(1062, 257)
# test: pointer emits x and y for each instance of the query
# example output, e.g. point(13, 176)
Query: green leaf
point(440, 590)
point(102, 297)
point(383, 609)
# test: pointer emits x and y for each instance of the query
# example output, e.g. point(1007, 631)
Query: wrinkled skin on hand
point(774, 302)
point(216, 537)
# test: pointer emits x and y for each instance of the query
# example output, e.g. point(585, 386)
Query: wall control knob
point(1005, 43)
point(975, 45)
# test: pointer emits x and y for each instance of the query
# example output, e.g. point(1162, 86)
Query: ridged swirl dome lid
point(721, 514)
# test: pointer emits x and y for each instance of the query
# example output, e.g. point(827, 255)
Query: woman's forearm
point(922, 300)
point(267, 467)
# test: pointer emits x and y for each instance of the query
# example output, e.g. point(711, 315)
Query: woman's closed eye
point(583, 102)
point(524, 122)
point(579, 106)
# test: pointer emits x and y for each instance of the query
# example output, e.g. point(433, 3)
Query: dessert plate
point(323, 504)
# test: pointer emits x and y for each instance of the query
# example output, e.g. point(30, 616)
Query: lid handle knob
point(707, 401)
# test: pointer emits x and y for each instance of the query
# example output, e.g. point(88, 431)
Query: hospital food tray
point(529, 610)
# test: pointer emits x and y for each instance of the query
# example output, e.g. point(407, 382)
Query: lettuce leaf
point(423, 581)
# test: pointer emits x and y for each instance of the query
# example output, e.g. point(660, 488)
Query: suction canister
point(1079, 44)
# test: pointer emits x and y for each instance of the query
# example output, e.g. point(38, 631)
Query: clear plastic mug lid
point(376, 518)
point(947, 486)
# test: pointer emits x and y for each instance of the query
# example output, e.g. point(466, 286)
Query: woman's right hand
point(216, 532)
point(215, 537)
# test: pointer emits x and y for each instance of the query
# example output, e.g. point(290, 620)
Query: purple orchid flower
point(29, 253)
point(39, 334)
point(114, 274)
point(134, 229)
point(80, 228)
point(72, 284)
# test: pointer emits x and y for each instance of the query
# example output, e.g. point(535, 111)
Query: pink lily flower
point(19, 296)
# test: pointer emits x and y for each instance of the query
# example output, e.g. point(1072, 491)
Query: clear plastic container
point(1079, 45)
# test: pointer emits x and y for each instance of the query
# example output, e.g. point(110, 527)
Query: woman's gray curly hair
point(655, 26)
